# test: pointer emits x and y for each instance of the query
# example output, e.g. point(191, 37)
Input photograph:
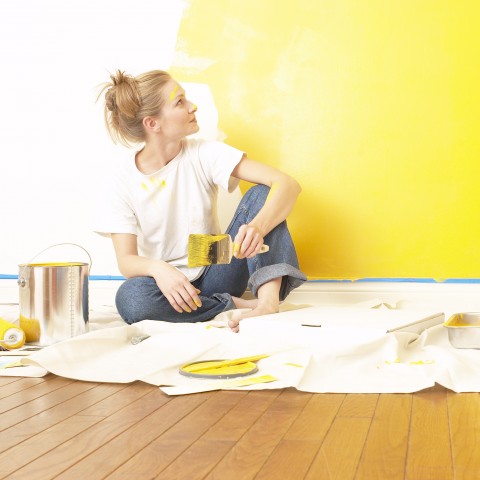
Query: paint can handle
point(21, 281)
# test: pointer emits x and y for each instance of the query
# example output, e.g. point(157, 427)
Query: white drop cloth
point(326, 359)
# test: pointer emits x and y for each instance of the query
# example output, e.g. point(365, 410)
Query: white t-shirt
point(163, 208)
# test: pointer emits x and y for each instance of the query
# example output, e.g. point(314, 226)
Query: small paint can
point(53, 299)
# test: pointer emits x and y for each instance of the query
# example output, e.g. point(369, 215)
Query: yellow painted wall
point(373, 105)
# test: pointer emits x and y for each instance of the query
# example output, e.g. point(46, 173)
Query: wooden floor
point(53, 427)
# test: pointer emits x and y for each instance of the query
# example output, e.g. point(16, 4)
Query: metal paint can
point(53, 300)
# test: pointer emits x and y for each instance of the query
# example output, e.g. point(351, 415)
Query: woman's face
point(177, 117)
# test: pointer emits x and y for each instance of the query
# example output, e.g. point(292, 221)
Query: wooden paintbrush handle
point(264, 249)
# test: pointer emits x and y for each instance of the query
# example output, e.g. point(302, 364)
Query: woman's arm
point(176, 287)
point(284, 191)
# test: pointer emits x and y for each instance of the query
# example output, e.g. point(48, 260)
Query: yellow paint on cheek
point(174, 92)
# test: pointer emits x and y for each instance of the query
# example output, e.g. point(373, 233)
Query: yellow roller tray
point(218, 369)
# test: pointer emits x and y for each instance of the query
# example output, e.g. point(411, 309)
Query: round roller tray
point(209, 370)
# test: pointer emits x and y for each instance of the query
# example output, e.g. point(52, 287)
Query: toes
point(234, 325)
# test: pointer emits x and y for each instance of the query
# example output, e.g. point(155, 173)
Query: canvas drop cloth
point(344, 359)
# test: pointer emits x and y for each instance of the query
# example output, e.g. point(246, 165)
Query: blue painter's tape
point(400, 280)
point(106, 277)
point(6, 276)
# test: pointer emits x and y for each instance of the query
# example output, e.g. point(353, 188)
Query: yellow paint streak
point(173, 92)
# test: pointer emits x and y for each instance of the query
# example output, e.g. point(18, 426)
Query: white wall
point(55, 147)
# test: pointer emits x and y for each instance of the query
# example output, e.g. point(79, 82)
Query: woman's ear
point(151, 124)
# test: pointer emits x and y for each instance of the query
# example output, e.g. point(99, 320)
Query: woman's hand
point(248, 242)
point(174, 285)
point(176, 288)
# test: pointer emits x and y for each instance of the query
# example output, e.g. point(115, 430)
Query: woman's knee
point(255, 198)
point(257, 193)
point(130, 299)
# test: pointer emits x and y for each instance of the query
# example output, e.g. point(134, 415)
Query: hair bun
point(128, 100)
point(123, 95)
point(121, 77)
point(110, 101)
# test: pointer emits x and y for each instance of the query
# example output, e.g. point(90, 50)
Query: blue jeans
point(139, 298)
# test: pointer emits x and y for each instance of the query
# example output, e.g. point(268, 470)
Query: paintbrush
point(206, 249)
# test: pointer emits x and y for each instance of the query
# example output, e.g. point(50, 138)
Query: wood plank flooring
point(53, 427)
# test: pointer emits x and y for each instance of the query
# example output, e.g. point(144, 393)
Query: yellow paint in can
point(55, 264)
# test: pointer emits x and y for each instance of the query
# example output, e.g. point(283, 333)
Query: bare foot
point(244, 303)
point(262, 308)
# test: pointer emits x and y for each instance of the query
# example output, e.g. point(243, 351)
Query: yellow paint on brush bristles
point(206, 249)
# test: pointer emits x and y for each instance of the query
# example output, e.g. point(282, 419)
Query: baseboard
point(465, 296)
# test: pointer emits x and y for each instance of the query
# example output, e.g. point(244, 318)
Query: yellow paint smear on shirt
point(159, 183)
point(156, 183)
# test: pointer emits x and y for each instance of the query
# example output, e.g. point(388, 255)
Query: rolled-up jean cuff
point(291, 278)
point(226, 299)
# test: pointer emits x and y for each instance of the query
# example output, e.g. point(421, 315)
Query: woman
point(167, 190)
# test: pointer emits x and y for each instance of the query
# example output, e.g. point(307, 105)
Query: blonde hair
point(128, 100)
